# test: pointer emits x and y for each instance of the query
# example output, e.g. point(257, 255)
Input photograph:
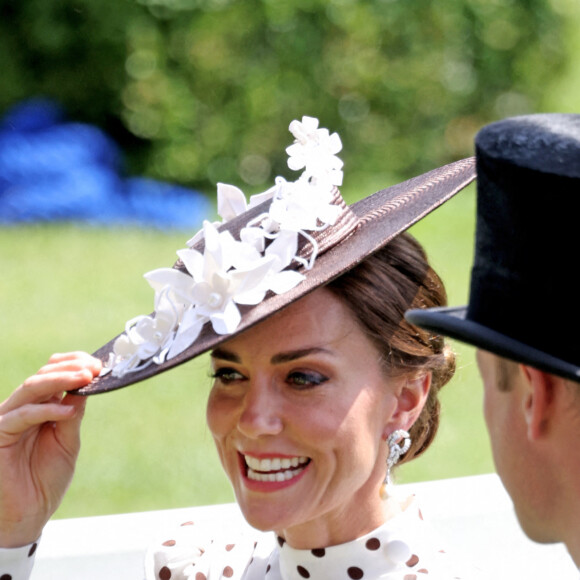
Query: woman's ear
point(411, 396)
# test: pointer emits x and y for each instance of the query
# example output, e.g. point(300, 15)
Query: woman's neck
point(340, 527)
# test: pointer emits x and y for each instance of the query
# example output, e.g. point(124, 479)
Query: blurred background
point(118, 118)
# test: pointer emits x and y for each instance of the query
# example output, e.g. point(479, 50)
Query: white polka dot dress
point(17, 563)
point(404, 548)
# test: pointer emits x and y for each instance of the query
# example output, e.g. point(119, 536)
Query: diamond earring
point(399, 443)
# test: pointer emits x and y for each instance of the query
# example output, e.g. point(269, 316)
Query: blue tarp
point(52, 169)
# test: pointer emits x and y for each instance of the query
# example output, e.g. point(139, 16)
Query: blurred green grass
point(147, 447)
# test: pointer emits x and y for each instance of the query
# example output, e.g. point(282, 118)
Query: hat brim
point(381, 217)
point(454, 323)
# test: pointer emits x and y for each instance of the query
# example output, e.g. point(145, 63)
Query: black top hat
point(266, 256)
point(523, 301)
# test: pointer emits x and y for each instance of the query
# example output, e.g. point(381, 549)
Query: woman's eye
point(306, 380)
point(226, 375)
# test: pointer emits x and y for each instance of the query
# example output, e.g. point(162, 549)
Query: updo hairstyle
point(379, 291)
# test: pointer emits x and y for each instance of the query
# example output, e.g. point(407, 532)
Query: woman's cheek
point(215, 413)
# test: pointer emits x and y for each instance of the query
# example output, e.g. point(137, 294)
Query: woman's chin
point(266, 520)
point(267, 512)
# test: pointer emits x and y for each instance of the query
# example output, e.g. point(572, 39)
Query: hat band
point(326, 238)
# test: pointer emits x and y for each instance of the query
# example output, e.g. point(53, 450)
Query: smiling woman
point(319, 383)
point(304, 403)
point(274, 406)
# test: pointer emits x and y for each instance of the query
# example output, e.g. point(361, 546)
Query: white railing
point(474, 514)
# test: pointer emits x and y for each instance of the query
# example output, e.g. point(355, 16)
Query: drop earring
point(398, 442)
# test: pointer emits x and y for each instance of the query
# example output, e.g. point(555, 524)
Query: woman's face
point(299, 411)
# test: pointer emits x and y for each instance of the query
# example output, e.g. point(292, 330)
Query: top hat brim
point(379, 218)
point(455, 323)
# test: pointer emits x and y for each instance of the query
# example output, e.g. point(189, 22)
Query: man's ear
point(411, 397)
point(539, 400)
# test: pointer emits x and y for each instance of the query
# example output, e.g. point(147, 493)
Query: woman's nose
point(260, 413)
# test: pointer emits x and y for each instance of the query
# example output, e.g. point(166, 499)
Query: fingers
point(40, 399)
point(65, 414)
point(69, 428)
point(65, 417)
point(72, 360)
point(63, 372)
point(17, 421)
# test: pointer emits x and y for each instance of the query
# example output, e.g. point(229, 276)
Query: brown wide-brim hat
point(361, 229)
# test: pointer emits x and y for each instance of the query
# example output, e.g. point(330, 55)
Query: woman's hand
point(39, 445)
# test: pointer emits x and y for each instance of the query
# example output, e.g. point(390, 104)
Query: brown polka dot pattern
point(373, 544)
point(32, 550)
point(355, 573)
point(6, 577)
point(382, 551)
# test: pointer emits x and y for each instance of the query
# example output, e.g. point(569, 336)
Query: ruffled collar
point(404, 548)
point(387, 552)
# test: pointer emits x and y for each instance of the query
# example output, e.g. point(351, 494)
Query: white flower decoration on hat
point(230, 271)
point(315, 150)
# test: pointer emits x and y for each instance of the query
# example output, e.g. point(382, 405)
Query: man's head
point(533, 419)
point(523, 315)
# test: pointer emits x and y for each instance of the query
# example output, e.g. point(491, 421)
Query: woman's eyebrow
point(283, 357)
point(289, 356)
point(225, 355)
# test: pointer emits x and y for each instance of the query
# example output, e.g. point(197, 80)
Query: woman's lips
point(273, 469)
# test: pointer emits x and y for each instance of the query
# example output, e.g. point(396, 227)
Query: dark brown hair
point(379, 291)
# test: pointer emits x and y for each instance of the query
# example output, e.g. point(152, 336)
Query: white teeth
point(275, 468)
point(276, 476)
point(274, 463)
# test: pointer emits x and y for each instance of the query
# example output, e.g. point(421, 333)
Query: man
point(524, 316)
